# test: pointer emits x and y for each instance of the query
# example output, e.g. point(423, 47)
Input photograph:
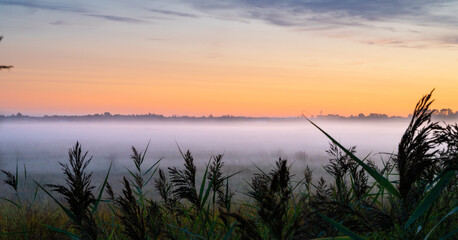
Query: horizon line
point(445, 112)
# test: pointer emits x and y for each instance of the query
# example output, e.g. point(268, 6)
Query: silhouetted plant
point(215, 176)
point(10, 180)
point(154, 220)
point(448, 136)
point(416, 159)
point(323, 191)
point(338, 167)
point(273, 198)
point(110, 192)
point(22, 206)
point(79, 192)
point(2, 66)
point(165, 190)
point(209, 202)
point(131, 214)
point(246, 228)
point(184, 182)
point(420, 185)
point(141, 217)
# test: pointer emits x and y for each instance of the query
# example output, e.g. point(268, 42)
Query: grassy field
point(413, 195)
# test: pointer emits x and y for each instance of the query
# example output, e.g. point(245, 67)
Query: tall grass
point(413, 195)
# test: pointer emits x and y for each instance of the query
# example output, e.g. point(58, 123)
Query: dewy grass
point(412, 196)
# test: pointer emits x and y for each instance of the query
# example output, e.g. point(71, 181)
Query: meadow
point(410, 194)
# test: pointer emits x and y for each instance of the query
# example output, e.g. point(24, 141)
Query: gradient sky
point(252, 58)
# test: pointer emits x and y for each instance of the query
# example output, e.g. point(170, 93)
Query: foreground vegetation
point(413, 195)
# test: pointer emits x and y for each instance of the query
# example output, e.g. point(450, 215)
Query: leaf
point(96, 204)
point(15, 204)
point(33, 199)
point(13, 233)
point(154, 171)
point(385, 183)
point(155, 164)
point(341, 227)
point(69, 234)
point(17, 175)
point(448, 214)
point(430, 198)
point(187, 231)
point(333, 238)
point(449, 234)
point(146, 149)
point(25, 175)
point(229, 232)
point(66, 210)
point(202, 186)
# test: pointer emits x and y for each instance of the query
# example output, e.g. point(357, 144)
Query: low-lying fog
point(41, 145)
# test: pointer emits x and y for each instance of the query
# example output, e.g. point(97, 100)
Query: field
point(411, 195)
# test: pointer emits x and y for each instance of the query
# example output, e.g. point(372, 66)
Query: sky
point(237, 57)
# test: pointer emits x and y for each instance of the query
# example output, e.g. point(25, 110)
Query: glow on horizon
point(199, 59)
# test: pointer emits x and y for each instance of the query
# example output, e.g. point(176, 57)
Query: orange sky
point(186, 60)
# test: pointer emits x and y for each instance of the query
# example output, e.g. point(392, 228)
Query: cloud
point(437, 10)
point(116, 18)
point(172, 13)
point(64, 6)
point(385, 42)
point(419, 19)
point(450, 39)
point(439, 42)
point(45, 6)
point(298, 14)
point(59, 22)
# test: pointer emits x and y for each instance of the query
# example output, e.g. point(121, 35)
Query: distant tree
point(445, 112)
point(2, 66)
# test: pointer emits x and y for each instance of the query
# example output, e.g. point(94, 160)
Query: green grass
point(412, 196)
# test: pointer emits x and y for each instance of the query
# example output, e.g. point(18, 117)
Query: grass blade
point(155, 164)
point(385, 183)
point(13, 233)
point(17, 175)
point(202, 185)
point(448, 214)
point(97, 201)
point(15, 204)
point(69, 234)
point(25, 175)
point(66, 210)
point(207, 192)
point(449, 234)
point(187, 232)
point(229, 232)
point(430, 198)
point(341, 227)
point(334, 238)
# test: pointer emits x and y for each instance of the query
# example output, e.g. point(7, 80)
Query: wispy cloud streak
point(419, 11)
point(116, 18)
point(172, 13)
point(59, 22)
point(64, 7)
point(371, 17)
